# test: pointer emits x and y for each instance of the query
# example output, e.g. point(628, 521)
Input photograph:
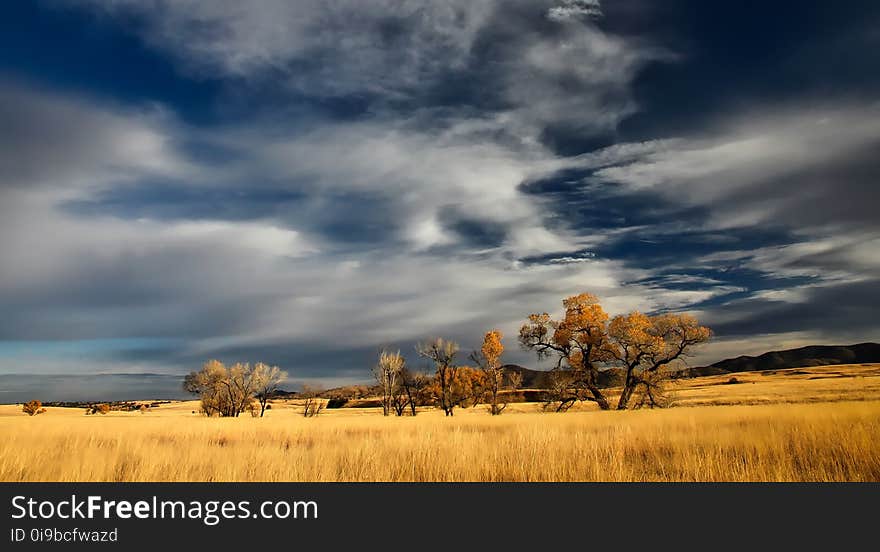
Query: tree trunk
point(599, 397)
point(625, 396)
point(412, 404)
point(628, 388)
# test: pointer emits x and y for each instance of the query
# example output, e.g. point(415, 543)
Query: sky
point(303, 182)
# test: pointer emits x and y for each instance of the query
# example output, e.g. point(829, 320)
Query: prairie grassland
point(806, 441)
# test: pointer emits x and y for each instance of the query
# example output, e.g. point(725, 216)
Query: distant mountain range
point(812, 355)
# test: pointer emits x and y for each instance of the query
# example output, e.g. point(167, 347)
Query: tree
point(578, 340)
point(313, 404)
point(389, 374)
point(242, 384)
point(562, 392)
point(207, 384)
point(469, 386)
point(489, 360)
point(646, 346)
point(224, 391)
point(514, 382)
point(268, 378)
point(32, 408)
point(416, 388)
point(442, 353)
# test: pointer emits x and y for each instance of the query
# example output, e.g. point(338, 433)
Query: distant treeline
point(126, 406)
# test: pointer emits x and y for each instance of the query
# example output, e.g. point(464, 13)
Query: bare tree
point(313, 404)
point(268, 378)
point(242, 382)
point(442, 353)
point(389, 374)
point(206, 384)
point(514, 380)
point(563, 391)
point(226, 391)
point(415, 387)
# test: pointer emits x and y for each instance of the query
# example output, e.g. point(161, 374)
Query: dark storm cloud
point(735, 56)
point(848, 308)
point(841, 190)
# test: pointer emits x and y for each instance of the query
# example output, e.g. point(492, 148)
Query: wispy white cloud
point(221, 285)
point(575, 9)
point(408, 219)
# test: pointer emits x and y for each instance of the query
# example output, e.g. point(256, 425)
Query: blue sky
point(301, 183)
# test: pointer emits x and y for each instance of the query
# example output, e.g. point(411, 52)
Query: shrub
point(32, 408)
point(98, 409)
point(313, 406)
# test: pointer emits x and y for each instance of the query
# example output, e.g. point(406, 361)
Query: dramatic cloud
point(498, 62)
point(68, 145)
point(376, 172)
point(805, 169)
point(575, 9)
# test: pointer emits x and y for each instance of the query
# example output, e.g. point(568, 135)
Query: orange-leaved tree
point(32, 408)
point(488, 358)
point(646, 346)
point(584, 340)
point(469, 386)
point(579, 341)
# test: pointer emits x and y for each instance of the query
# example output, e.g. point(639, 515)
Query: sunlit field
point(811, 424)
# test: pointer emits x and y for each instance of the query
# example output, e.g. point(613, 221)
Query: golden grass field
point(809, 424)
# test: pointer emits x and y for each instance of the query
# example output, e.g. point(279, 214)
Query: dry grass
point(810, 441)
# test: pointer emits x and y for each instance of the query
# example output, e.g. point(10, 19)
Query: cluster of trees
point(231, 390)
point(584, 340)
point(452, 385)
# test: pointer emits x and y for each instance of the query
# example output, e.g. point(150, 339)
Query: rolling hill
point(812, 355)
